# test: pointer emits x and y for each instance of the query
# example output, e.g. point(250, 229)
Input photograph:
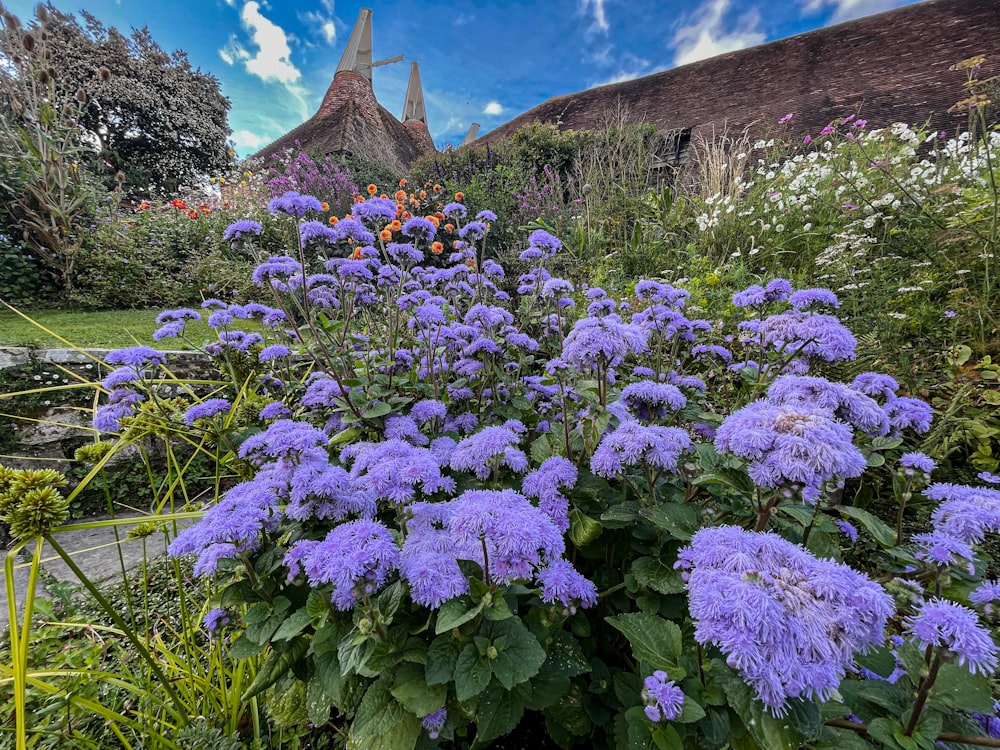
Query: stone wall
point(47, 431)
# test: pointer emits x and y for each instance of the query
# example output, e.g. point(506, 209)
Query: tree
point(155, 118)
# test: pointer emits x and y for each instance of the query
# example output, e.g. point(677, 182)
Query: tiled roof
point(890, 67)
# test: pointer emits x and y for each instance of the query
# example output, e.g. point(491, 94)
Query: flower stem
point(926, 683)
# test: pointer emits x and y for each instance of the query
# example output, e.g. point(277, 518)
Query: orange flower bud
point(386, 235)
point(356, 255)
point(423, 195)
point(372, 190)
point(439, 215)
point(402, 182)
point(333, 220)
point(437, 248)
point(434, 220)
point(192, 214)
point(406, 215)
point(459, 196)
point(395, 226)
point(400, 196)
point(359, 199)
point(325, 205)
point(449, 227)
point(437, 188)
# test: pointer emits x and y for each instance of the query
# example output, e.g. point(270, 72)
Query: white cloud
point(709, 35)
point(493, 108)
point(620, 77)
point(845, 10)
point(596, 7)
point(323, 21)
point(271, 61)
point(249, 141)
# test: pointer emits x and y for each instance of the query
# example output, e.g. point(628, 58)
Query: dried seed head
point(81, 95)
point(43, 77)
point(42, 13)
point(28, 42)
point(10, 20)
point(119, 177)
point(17, 106)
point(104, 73)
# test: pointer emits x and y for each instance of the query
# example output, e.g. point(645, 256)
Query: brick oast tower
point(886, 68)
point(350, 121)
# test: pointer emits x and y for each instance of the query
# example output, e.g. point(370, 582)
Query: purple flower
point(909, 413)
point(808, 334)
point(649, 400)
point(786, 118)
point(380, 210)
point(121, 376)
point(312, 231)
point(274, 351)
point(949, 314)
point(121, 404)
point(854, 408)
point(791, 444)
point(941, 549)
point(876, 384)
point(455, 210)
point(274, 410)
point(945, 624)
point(664, 700)
point(546, 483)
point(136, 356)
point(392, 470)
point(356, 558)
point(434, 722)
point(492, 446)
point(985, 594)
point(562, 584)
point(788, 622)
point(804, 298)
point(428, 410)
point(985, 476)
point(602, 342)
point(215, 620)
point(244, 226)
point(353, 231)
point(965, 513)
point(848, 529)
point(206, 409)
point(294, 204)
point(632, 444)
point(474, 230)
point(918, 462)
point(546, 242)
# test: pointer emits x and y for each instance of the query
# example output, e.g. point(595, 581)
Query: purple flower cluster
point(294, 204)
point(797, 445)
point(648, 400)
point(632, 444)
point(788, 622)
point(491, 447)
point(546, 484)
point(356, 558)
point(206, 409)
point(237, 229)
point(602, 343)
point(944, 624)
point(664, 700)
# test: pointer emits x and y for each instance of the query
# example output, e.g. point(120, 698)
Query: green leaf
point(690, 712)
point(318, 702)
point(498, 712)
point(472, 672)
point(582, 528)
point(442, 655)
point(345, 436)
point(413, 692)
point(879, 660)
point(318, 607)
point(565, 657)
point(885, 731)
point(541, 448)
point(376, 411)
point(875, 526)
point(381, 723)
point(657, 575)
point(679, 520)
point(292, 626)
point(456, 612)
point(655, 642)
point(519, 654)
point(767, 731)
point(244, 648)
point(957, 688)
point(275, 666)
point(620, 515)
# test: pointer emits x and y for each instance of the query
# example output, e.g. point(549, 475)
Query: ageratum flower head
point(375, 210)
point(356, 558)
point(649, 400)
point(965, 513)
point(393, 470)
point(945, 624)
point(600, 343)
point(316, 231)
point(136, 356)
point(237, 229)
point(546, 483)
point(294, 204)
point(853, 407)
point(791, 444)
point(492, 446)
point(788, 622)
point(664, 700)
point(632, 444)
point(807, 334)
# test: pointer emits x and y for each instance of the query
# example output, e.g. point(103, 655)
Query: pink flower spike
point(786, 118)
point(827, 130)
point(807, 139)
point(859, 123)
point(847, 119)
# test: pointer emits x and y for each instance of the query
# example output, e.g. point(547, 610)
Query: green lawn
point(104, 330)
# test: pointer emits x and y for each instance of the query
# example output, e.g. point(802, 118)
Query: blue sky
point(482, 62)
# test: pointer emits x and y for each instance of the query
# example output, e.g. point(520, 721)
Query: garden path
point(99, 552)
